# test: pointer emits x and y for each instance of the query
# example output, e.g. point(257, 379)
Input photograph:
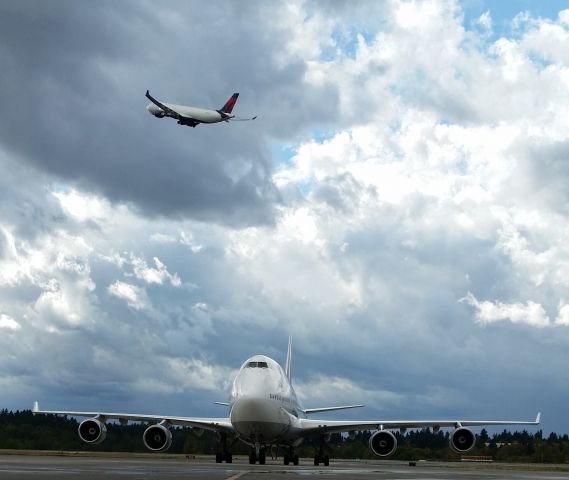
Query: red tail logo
point(228, 107)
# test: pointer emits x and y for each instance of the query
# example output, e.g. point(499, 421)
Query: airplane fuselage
point(264, 408)
point(201, 115)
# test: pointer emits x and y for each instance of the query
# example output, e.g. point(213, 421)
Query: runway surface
point(53, 467)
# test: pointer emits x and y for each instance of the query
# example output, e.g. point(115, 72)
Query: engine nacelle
point(157, 438)
point(383, 443)
point(159, 114)
point(198, 432)
point(462, 440)
point(92, 431)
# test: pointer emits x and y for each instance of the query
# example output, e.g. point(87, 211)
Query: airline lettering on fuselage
point(276, 396)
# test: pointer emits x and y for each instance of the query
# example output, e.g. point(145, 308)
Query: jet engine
point(92, 431)
point(157, 438)
point(159, 114)
point(462, 440)
point(383, 443)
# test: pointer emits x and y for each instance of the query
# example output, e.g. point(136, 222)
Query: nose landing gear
point(258, 453)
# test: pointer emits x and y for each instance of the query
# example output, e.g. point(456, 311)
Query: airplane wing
point(182, 119)
point(213, 424)
point(311, 427)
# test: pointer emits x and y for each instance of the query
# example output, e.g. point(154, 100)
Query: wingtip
point(36, 407)
point(538, 418)
point(147, 93)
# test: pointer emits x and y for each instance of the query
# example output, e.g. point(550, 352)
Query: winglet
point(288, 365)
point(36, 407)
point(538, 418)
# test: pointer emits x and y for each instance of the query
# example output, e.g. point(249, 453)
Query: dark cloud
point(74, 105)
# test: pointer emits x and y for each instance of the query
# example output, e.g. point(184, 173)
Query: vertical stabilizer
point(228, 107)
point(288, 365)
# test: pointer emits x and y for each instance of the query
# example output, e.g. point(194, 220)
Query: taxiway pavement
point(24, 467)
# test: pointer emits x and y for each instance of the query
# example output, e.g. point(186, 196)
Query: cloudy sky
point(400, 205)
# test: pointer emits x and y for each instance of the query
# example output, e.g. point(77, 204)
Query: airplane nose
point(154, 110)
point(258, 419)
point(248, 409)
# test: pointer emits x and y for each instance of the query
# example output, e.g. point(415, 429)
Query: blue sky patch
point(503, 12)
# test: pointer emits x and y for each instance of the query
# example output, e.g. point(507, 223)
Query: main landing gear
point(220, 457)
point(290, 457)
point(224, 454)
point(320, 457)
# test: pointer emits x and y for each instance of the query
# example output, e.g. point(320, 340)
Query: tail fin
point(288, 365)
point(228, 107)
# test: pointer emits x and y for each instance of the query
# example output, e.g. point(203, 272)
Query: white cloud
point(162, 238)
point(8, 323)
point(485, 20)
point(187, 238)
point(563, 315)
point(489, 312)
point(156, 275)
point(56, 301)
point(81, 206)
point(134, 296)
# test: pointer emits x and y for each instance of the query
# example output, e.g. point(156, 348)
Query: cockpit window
point(257, 365)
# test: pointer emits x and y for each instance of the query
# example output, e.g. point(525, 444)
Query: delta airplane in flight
point(193, 116)
point(264, 411)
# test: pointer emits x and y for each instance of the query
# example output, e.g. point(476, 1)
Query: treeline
point(23, 430)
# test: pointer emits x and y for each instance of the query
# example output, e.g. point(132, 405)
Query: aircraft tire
point(316, 460)
point(326, 460)
point(228, 458)
point(262, 458)
point(295, 459)
point(252, 459)
point(286, 459)
point(218, 457)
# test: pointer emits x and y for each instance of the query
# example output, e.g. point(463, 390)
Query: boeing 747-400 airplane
point(264, 411)
point(193, 116)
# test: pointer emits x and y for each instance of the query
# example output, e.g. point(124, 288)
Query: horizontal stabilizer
point(308, 411)
point(241, 119)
